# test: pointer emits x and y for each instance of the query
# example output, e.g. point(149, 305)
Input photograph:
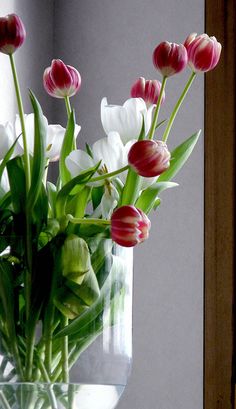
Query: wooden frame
point(220, 96)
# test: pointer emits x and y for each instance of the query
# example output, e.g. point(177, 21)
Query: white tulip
point(109, 150)
point(109, 201)
point(6, 138)
point(126, 119)
point(54, 137)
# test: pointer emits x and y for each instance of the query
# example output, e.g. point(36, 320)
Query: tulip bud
point(203, 52)
point(148, 90)
point(129, 226)
point(12, 33)
point(61, 80)
point(170, 58)
point(149, 158)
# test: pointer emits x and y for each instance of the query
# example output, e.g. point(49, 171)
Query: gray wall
point(111, 43)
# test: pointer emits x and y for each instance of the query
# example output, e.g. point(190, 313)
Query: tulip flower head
point(12, 33)
point(149, 158)
point(129, 226)
point(61, 80)
point(170, 58)
point(116, 118)
point(148, 90)
point(203, 52)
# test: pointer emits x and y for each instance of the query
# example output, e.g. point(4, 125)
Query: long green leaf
point(77, 205)
point(16, 176)
point(179, 156)
point(5, 200)
point(39, 161)
point(131, 188)
point(112, 286)
point(62, 195)
point(66, 149)
point(148, 197)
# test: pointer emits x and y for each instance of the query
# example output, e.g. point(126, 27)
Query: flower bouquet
point(64, 246)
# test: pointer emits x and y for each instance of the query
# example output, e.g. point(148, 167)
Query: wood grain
point(219, 211)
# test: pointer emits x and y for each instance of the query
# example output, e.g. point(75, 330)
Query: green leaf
point(62, 195)
point(148, 197)
point(89, 290)
point(67, 147)
point(52, 195)
point(77, 205)
point(39, 161)
point(157, 203)
point(7, 296)
point(89, 150)
point(68, 303)
point(40, 211)
point(5, 200)
point(113, 285)
point(161, 123)
point(97, 193)
point(90, 230)
point(131, 188)
point(179, 156)
point(16, 176)
point(142, 132)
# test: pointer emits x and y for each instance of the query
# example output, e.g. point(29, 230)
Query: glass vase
point(89, 319)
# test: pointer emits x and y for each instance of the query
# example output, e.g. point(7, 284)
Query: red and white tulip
point(149, 158)
point(61, 80)
point(148, 90)
point(170, 58)
point(203, 52)
point(12, 33)
point(129, 226)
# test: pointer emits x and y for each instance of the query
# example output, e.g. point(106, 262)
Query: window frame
point(219, 308)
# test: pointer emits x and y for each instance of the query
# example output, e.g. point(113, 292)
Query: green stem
point(46, 172)
point(27, 181)
point(157, 110)
point(18, 360)
point(48, 336)
point(69, 110)
point(30, 356)
point(68, 106)
point(47, 379)
point(22, 121)
point(177, 106)
point(109, 175)
point(64, 352)
point(76, 220)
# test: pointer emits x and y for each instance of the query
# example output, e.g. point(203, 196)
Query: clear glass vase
point(97, 310)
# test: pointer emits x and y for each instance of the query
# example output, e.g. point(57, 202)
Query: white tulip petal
point(55, 137)
point(4, 182)
point(29, 129)
point(126, 119)
point(77, 130)
point(6, 138)
point(109, 201)
point(78, 161)
point(110, 150)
